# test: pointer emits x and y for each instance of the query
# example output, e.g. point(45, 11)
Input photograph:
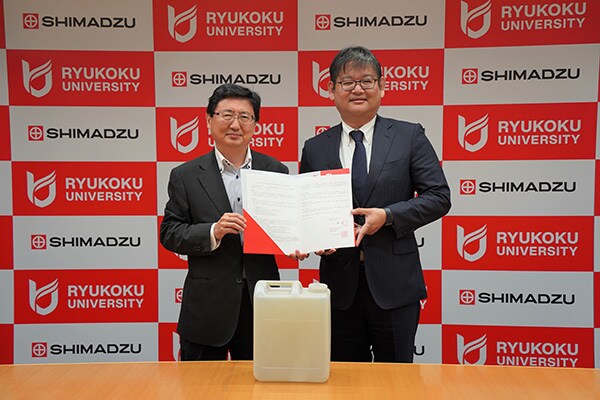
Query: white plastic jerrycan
point(292, 331)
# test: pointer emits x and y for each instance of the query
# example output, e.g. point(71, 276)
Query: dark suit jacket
point(402, 162)
point(213, 286)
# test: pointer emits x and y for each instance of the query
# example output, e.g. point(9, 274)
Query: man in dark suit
point(203, 220)
point(376, 286)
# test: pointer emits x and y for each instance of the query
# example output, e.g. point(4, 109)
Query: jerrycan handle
point(280, 288)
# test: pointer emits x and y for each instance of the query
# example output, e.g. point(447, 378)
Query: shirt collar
point(367, 130)
point(224, 163)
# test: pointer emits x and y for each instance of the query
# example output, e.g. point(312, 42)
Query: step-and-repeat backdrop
point(99, 100)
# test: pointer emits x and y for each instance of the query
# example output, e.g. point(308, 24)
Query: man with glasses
point(203, 220)
point(377, 286)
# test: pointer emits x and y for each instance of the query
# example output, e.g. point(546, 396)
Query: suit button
point(238, 280)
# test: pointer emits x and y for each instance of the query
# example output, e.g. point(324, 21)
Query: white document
point(305, 212)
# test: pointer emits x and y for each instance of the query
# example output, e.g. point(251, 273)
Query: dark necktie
point(359, 168)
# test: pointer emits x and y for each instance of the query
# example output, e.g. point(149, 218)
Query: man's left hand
point(374, 220)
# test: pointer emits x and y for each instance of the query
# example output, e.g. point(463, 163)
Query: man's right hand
point(326, 252)
point(229, 223)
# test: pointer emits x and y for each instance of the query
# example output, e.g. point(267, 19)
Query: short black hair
point(353, 57)
point(233, 91)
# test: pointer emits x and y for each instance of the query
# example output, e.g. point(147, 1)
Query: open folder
point(306, 212)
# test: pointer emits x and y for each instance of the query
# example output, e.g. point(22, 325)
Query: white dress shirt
point(347, 143)
point(233, 186)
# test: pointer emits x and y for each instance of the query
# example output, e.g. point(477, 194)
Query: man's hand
point(374, 220)
point(326, 252)
point(298, 255)
point(229, 223)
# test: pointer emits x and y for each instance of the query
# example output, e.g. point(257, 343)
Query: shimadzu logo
point(176, 21)
point(526, 298)
point(44, 72)
point(363, 21)
point(35, 134)
point(526, 187)
point(32, 21)
point(94, 241)
point(472, 76)
point(94, 348)
point(239, 79)
point(36, 295)
point(531, 74)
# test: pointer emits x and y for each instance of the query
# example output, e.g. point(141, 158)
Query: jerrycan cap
point(317, 287)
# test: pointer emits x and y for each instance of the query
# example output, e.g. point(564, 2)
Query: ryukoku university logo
point(478, 236)
point(462, 350)
point(177, 20)
point(178, 132)
point(36, 295)
point(469, 18)
point(30, 75)
point(319, 76)
point(466, 131)
point(35, 186)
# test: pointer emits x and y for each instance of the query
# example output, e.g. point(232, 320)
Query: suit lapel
point(259, 162)
point(210, 178)
point(382, 141)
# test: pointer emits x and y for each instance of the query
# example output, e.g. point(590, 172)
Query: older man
point(203, 220)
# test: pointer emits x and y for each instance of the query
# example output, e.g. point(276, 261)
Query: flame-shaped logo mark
point(465, 131)
point(176, 347)
point(35, 295)
point(178, 132)
point(34, 187)
point(29, 76)
point(318, 77)
point(464, 240)
point(174, 21)
point(467, 18)
point(478, 344)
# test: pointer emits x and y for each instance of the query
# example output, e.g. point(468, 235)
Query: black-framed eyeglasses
point(365, 83)
point(228, 116)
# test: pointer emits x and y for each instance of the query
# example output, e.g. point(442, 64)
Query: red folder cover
point(261, 243)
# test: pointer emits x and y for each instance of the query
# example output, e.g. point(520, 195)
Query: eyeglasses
point(228, 116)
point(366, 84)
